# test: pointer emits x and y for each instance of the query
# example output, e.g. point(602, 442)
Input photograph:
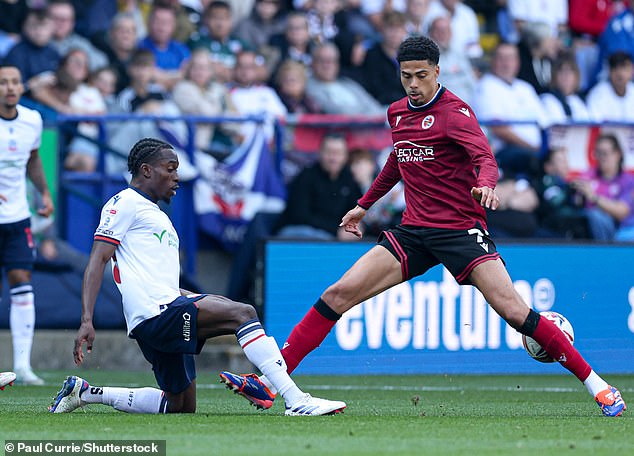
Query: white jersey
point(145, 265)
point(18, 137)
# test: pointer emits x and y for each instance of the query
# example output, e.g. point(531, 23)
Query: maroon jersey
point(440, 153)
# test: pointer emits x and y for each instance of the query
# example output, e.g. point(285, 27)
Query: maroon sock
point(308, 334)
point(558, 346)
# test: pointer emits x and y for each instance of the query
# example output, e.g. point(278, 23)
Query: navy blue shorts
point(169, 343)
point(17, 250)
point(418, 249)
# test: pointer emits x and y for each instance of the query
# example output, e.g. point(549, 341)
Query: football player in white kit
point(20, 137)
point(170, 324)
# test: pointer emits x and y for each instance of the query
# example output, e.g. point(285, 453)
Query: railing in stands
point(81, 195)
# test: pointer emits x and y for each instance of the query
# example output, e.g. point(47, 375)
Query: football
point(535, 350)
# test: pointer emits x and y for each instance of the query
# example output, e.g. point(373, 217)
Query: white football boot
point(69, 397)
point(6, 378)
point(314, 406)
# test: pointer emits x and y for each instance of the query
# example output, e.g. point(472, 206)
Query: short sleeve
point(37, 126)
point(117, 216)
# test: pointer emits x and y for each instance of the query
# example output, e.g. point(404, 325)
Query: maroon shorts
point(419, 249)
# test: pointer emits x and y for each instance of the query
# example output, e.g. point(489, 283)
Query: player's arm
point(387, 178)
point(465, 131)
point(35, 172)
point(93, 277)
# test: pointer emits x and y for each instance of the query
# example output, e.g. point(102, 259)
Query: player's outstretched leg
point(492, 279)
point(76, 392)
point(6, 378)
point(558, 346)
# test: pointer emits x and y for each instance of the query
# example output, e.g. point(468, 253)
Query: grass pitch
point(404, 415)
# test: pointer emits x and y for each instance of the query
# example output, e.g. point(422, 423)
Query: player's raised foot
point(27, 377)
point(611, 402)
point(69, 397)
point(250, 387)
point(314, 406)
point(6, 378)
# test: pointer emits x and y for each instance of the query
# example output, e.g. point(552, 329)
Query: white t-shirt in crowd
point(555, 110)
point(605, 104)
point(497, 100)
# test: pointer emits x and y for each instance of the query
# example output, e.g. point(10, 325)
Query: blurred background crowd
point(523, 66)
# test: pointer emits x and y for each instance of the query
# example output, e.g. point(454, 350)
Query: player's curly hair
point(418, 48)
point(145, 150)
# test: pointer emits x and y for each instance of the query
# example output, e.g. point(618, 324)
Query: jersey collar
point(142, 193)
point(430, 103)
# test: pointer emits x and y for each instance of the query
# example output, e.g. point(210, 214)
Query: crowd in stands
point(538, 62)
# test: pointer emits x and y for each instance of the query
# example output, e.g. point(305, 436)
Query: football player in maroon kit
point(449, 173)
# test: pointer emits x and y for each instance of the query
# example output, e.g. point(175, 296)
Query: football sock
point(130, 400)
point(556, 344)
point(22, 322)
point(309, 333)
point(595, 384)
point(263, 351)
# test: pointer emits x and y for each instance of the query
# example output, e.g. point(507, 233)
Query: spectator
point(290, 84)
point(69, 94)
point(321, 20)
point(456, 72)
point(416, 17)
point(264, 22)
point(200, 95)
point(552, 12)
point(608, 193)
point(464, 25)
point(590, 17)
point(120, 44)
point(387, 210)
point(62, 13)
point(171, 56)
point(617, 36)
point(141, 69)
point(34, 55)
point(145, 97)
point(501, 97)
point(562, 103)
point(94, 17)
point(133, 8)
point(515, 216)
point(328, 22)
point(251, 97)
point(373, 9)
point(538, 49)
point(334, 94)
point(320, 195)
point(13, 15)
point(186, 19)
point(380, 63)
point(105, 80)
point(295, 43)
point(215, 35)
point(559, 212)
point(612, 100)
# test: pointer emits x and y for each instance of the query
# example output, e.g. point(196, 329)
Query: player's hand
point(486, 196)
point(85, 335)
point(47, 205)
point(3, 199)
point(351, 222)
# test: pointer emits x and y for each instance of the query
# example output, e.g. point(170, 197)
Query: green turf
point(406, 415)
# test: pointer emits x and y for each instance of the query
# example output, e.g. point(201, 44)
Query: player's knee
point(337, 297)
point(245, 312)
